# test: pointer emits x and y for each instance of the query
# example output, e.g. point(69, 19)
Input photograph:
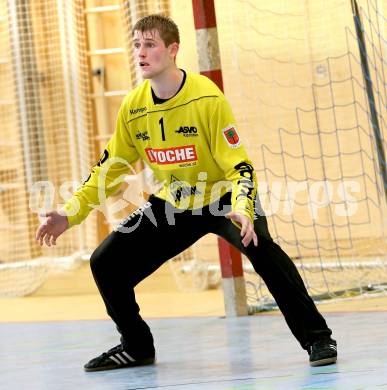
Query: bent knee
point(97, 261)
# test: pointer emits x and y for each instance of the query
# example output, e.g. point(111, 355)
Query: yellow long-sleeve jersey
point(190, 142)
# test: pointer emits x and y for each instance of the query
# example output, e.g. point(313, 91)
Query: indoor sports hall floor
point(46, 338)
point(195, 353)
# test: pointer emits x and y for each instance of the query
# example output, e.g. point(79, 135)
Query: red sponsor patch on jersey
point(231, 136)
point(176, 155)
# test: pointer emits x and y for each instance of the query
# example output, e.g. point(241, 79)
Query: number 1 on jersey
point(161, 121)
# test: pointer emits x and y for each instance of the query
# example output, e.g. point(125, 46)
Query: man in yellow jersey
point(182, 126)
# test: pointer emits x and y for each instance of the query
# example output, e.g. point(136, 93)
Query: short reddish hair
point(167, 28)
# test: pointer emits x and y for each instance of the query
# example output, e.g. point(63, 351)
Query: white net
point(296, 80)
point(46, 133)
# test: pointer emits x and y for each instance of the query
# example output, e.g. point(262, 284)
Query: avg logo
point(231, 136)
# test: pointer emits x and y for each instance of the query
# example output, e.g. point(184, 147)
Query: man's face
point(151, 54)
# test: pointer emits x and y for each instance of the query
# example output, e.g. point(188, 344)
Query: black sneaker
point(323, 352)
point(116, 357)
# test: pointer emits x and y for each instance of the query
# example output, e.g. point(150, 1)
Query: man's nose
point(141, 52)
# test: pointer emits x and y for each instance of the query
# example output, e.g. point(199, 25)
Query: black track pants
point(158, 232)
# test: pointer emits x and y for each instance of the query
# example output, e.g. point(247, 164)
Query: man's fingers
point(244, 228)
point(250, 236)
point(41, 238)
point(246, 238)
point(255, 239)
point(44, 236)
point(47, 239)
point(53, 240)
point(247, 228)
point(40, 232)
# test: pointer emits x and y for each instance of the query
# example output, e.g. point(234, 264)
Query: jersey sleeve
point(103, 180)
point(231, 156)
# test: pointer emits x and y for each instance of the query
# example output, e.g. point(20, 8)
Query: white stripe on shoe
point(119, 357)
point(128, 356)
point(115, 360)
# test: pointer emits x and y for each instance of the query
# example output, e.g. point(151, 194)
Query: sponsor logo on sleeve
point(102, 159)
point(246, 173)
point(231, 136)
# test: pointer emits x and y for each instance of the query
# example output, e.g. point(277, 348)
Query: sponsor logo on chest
point(134, 111)
point(142, 135)
point(175, 155)
point(180, 189)
point(187, 131)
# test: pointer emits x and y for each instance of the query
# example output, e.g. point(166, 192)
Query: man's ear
point(173, 49)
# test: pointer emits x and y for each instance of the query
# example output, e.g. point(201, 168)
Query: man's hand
point(247, 228)
point(51, 228)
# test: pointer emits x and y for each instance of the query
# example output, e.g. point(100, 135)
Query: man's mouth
point(142, 64)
